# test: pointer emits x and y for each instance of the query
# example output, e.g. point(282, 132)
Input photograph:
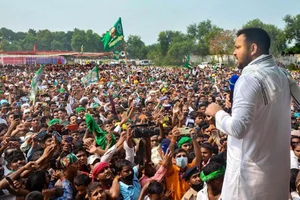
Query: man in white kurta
point(258, 137)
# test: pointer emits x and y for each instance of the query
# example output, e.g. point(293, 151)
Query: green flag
point(100, 135)
point(114, 36)
point(35, 82)
point(187, 63)
point(116, 55)
point(91, 77)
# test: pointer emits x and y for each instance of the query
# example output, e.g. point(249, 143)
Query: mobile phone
point(190, 125)
point(11, 183)
point(168, 107)
point(16, 116)
point(58, 127)
point(184, 131)
point(69, 139)
point(57, 136)
point(163, 98)
point(72, 127)
point(136, 102)
point(41, 135)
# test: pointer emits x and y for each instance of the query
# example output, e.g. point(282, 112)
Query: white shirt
point(294, 161)
point(203, 194)
point(258, 160)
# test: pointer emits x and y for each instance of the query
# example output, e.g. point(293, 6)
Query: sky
point(145, 18)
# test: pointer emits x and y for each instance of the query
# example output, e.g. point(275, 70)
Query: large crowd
point(137, 133)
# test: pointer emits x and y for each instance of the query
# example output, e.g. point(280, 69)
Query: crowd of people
point(137, 133)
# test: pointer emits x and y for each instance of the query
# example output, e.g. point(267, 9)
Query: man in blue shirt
point(130, 187)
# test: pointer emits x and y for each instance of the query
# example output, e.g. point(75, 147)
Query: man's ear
point(253, 49)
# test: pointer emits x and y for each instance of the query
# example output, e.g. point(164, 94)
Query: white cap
point(25, 105)
point(26, 111)
point(92, 158)
point(83, 99)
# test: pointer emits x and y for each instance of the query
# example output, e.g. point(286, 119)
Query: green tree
point(136, 47)
point(153, 53)
point(222, 43)
point(201, 34)
point(28, 42)
point(7, 34)
point(56, 45)
point(20, 36)
point(177, 51)
point(278, 38)
point(165, 39)
point(292, 27)
point(44, 39)
point(78, 39)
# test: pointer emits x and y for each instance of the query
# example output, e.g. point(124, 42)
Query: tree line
point(203, 38)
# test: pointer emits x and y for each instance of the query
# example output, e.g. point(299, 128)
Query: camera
point(145, 130)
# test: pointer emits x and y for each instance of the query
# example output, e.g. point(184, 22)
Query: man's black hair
point(15, 155)
point(80, 149)
point(92, 187)
point(177, 151)
point(155, 187)
point(35, 195)
point(258, 36)
point(36, 181)
point(294, 173)
point(72, 115)
point(207, 146)
point(122, 163)
point(215, 163)
point(62, 110)
point(82, 180)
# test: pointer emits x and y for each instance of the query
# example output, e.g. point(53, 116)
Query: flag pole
point(124, 47)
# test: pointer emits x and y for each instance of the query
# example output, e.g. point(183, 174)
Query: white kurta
point(258, 156)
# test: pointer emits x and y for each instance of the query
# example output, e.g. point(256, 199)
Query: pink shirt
point(157, 176)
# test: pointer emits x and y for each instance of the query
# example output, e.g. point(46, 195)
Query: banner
point(91, 77)
point(114, 36)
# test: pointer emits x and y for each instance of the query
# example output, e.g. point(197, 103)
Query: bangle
point(173, 141)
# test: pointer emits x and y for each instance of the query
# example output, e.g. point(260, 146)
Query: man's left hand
point(212, 109)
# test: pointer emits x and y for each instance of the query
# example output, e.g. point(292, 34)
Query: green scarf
point(100, 134)
point(213, 175)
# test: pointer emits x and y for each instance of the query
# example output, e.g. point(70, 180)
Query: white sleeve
point(294, 161)
point(129, 152)
point(246, 96)
point(295, 196)
point(25, 146)
point(108, 154)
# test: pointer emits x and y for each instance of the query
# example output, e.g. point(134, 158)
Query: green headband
point(79, 109)
point(213, 175)
point(184, 140)
point(53, 121)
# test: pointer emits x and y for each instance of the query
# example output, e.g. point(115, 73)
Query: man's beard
point(246, 62)
point(128, 178)
point(197, 187)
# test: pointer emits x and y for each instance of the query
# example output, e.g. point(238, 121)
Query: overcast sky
point(145, 18)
